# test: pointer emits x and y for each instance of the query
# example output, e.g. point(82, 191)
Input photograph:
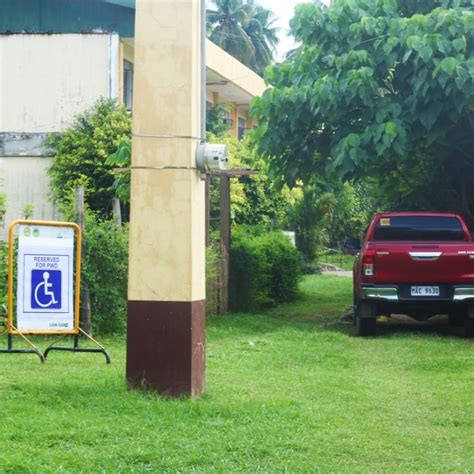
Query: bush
point(310, 268)
point(264, 271)
point(81, 152)
point(105, 271)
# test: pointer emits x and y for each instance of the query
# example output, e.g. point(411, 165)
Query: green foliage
point(352, 212)
point(215, 120)
point(245, 30)
point(306, 216)
point(381, 88)
point(104, 269)
point(122, 158)
point(81, 152)
point(264, 271)
point(256, 199)
point(3, 205)
point(105, 272)
point(27, 211)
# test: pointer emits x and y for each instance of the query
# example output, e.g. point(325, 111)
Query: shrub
point(105, 271)
point(82, 150)
point(310, 268)
point(264, 271)
point(104, 268)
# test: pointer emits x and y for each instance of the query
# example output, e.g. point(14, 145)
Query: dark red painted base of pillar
point(166, 346)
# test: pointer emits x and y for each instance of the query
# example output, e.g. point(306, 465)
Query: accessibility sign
point(45, 298)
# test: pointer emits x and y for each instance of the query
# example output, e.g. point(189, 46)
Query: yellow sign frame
point(11, 329)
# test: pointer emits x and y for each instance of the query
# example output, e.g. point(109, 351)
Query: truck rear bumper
point(379, 293)
point(462, 293)
point(455, 293)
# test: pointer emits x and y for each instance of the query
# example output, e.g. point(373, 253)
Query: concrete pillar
point(166, 309)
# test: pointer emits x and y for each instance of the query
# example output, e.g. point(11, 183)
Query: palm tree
point(259, 27)
point(245, 30)
point(225, 28)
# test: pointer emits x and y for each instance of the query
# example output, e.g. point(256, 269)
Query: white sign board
point(45, 296)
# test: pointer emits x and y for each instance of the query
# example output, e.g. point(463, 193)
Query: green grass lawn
point(290, 390)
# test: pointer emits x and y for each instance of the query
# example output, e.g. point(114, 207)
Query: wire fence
point(336, 257)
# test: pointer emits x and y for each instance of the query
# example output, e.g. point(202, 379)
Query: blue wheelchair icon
point(46, 289)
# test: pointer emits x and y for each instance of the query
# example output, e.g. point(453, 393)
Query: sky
point(284, 10)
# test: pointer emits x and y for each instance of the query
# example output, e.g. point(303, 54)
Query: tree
point(263, 34)
point(379, 88)
point(81, 152)
point(306, 218)
point(245, 30)
point(255, 200)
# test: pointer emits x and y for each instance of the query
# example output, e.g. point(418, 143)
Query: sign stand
point(47, 301)
point(76, 348)
point(10, 349)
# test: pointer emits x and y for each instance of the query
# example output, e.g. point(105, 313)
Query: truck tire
point(457, 318)
point(365, 319)
point(469, 327)
point(469, 321)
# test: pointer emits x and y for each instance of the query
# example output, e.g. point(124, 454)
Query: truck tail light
point(368, 264)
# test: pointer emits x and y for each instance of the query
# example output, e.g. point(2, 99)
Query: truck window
point(418, 228)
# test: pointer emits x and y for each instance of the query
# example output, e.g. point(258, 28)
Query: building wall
point(47, 79)
point(25, 181)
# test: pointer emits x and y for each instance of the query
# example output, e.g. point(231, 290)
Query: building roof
point(122, 3)
point(68, 16)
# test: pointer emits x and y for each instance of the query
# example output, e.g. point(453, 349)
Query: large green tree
point(245, 30)
point(379, 88)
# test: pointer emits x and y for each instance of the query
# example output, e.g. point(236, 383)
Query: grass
point(290, 390)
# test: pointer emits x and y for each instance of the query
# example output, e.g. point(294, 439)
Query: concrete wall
point(25, 181)
point(47, 79)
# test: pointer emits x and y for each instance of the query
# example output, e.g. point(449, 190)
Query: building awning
point(122, 3)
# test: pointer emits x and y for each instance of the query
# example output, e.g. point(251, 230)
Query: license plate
point(425, 291)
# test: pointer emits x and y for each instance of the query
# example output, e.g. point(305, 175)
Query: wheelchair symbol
point(46, 286)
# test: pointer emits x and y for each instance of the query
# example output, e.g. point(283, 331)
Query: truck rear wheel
point(457, 318)
point(469, 321)
point(365, 319)
point(469, 327)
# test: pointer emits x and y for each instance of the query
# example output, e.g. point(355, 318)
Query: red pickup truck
point(418, 264)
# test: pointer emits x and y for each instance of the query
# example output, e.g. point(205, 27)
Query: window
point(226, 117)
point(418, 228)
point(242, 128)
point(128, 84)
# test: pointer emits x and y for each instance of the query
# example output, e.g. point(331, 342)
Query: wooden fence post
point(117, 212)
point(225, 242)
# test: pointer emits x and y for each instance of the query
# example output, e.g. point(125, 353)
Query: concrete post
point(166, 310)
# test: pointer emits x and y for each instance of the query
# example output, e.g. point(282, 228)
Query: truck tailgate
point(406, 262)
